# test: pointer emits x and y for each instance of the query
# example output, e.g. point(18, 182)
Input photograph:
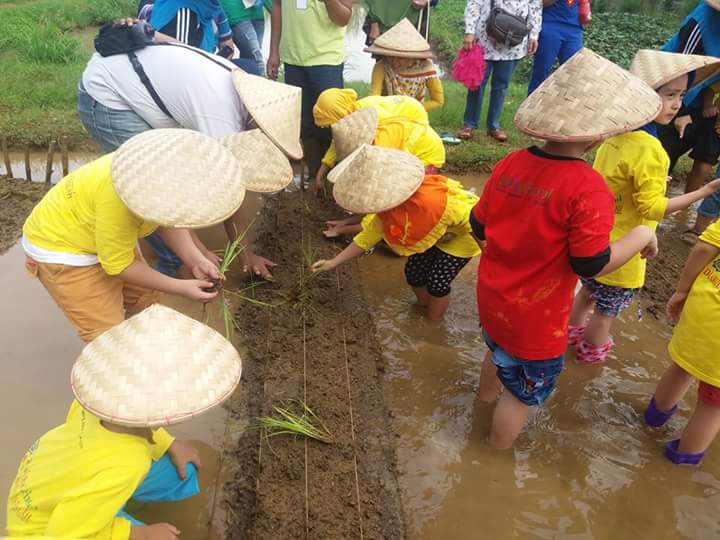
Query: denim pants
point(110, 128)
point(710, 206)
point(557, 41)
point(248, 36)
point(501, 72)
point(162, 483)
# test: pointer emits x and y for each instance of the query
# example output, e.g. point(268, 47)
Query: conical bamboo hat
point(157, 368)
point(374, 179)
point(354, 130)
point(588, 98)
point(265, 167)
point(275, 107)
point(715, 4)
point(659, 67)
point(401, 40)
point(178, 178)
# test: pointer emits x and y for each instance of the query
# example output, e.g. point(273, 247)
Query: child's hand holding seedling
point(323, 266)
point(350, 252)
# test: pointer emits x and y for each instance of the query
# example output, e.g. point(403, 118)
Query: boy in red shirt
point(545, 216)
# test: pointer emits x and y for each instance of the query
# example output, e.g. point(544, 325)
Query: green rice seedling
point(295, 418)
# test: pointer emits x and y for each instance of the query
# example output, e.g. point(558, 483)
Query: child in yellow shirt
point(81, 238)
point(694, 350)
point(422, 217)
point(635, 167)
point(76, 479)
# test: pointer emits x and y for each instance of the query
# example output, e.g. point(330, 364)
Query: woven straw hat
point(659, 67)
point(275, 107)
point(402, 40)
point(588, 98)
point(157, 368)
point(715, 4)
point(268, 169)
point(178, 178)
point(354, 130)
point(375, 179)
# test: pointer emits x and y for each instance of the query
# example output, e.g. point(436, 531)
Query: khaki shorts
point(91, 299)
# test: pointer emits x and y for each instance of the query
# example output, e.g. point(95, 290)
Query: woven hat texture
point(402, 40)
point(375, 179)
point(586, 99)
point(265, 168)
point(275, 107)
point(715, 4)
point(658, 68)
point(178, 178)
point(354, 130)
point(157, 368)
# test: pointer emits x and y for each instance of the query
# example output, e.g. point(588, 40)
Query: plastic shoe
point(654, 417)
point(575, 334)
point(587, 353)
point(671, 452)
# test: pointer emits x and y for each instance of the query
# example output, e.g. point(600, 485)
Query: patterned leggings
point(433, 269)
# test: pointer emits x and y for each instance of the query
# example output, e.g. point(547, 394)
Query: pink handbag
point(469, 67)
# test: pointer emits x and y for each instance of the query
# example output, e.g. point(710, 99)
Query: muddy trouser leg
point(162, 483)
point(110, 128)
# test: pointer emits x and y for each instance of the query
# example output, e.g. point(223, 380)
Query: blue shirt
point(562, 12)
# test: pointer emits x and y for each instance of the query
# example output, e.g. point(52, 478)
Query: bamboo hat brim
point(401, 40)
point(587, 99)
point(178, 178)
point(715, 4)
point(157, 368)
point(354, 130)
point(375, 179)
point(658, 68)
point(265, 167)
point(275, 107)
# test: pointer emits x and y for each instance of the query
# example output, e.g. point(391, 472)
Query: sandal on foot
point(575, 334)
point(671, 452)
point(654, 417)
point(690, 237)
point(587, 353)
point(449, 138)
point(498, 134)
point(465, 133)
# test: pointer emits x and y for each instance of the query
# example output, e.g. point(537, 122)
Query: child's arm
point(139, 273)
point(180, 241)
point(321, 175)
point(683, 201)
point(347, 254)
point(639, 239)
point(437, 95)
point(377, 79)
point(698, 259)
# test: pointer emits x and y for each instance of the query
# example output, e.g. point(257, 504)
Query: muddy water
point(37, 349)
point(38, 164)
point(584, 468)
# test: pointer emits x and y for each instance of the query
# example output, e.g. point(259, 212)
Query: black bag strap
point(137, 66)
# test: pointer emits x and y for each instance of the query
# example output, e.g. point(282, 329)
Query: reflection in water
point(585, 467)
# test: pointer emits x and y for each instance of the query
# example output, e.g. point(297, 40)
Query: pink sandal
point(587, 353)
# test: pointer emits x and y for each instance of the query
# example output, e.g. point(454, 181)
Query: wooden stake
point(6, 157)
point(48, 166)
point(65, 161)
point(28, 168)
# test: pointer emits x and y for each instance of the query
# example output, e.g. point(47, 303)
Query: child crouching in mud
point(423, 217)
point(694, 350)
point(635, 166)
point(546, 217)
point(155, 369)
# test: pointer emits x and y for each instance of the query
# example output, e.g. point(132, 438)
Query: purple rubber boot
point(671, 452)
point(655, 417)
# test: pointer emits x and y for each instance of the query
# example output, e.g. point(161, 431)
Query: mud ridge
point(17, 199)
point(318, 344)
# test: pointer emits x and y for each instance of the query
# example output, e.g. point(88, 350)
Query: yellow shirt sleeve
point(330, 158)
point(650, 179)
point(91, 512)
point(162, 441)
point(371, 234)
point(116, 232)
point(437, 94)
point(391, 135)
point(378, 78)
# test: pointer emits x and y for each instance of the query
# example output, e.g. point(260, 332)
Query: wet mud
point(17, 199)
point(316, 344)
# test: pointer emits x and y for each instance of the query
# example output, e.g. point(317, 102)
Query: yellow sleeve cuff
point(371, 234)
point(330, 158)
point(162, 441)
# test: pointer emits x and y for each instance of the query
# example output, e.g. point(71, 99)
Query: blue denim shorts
point(609, 300)
point(531, 381)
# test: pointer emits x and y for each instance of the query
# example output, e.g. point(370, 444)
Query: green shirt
point(235, 11)
point(309, 37)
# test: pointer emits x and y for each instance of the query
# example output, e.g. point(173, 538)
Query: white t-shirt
point(198, 93)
